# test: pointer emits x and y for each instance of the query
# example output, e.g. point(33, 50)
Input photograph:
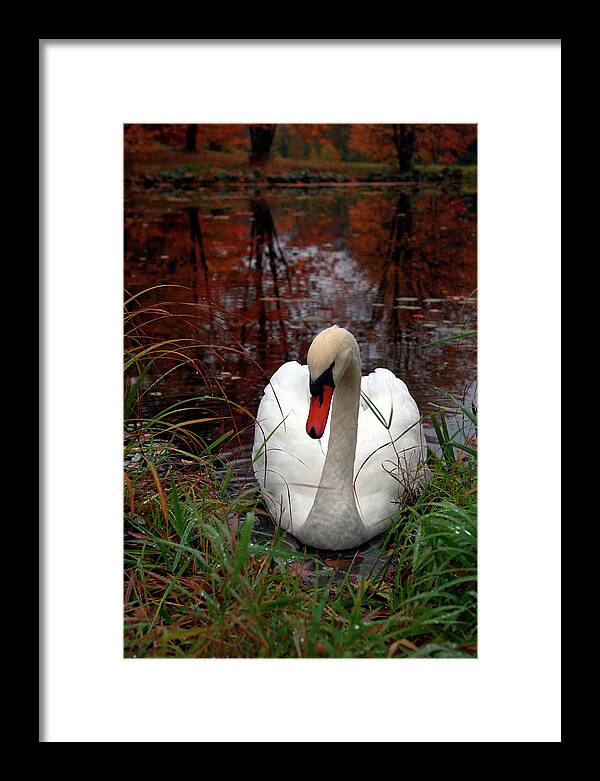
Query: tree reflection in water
point(267, 271)
point(398, 258)
point(199, 264)
point(265, 247)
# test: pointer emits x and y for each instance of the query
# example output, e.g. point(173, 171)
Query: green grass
point(206, 576)
point(217, 167)
point(197, 585)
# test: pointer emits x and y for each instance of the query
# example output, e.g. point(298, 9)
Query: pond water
point(271, 267)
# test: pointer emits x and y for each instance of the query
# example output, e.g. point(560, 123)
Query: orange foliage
point(320, 138)
point(223, 137)
point(373, 142)
point(141, 138)
point(434, 143)
point(444, 143)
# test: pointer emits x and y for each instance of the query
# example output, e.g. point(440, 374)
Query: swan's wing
point(390, 448)
point(287, 462)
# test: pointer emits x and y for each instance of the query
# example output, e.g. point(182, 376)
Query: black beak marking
point(316, 387)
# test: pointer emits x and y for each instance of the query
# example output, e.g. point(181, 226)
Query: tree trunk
point(190, 138)
point(434, 147)
point(261, 140)
point(405, 140)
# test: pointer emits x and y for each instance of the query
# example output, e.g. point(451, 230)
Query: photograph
point(300, 382)
point(300, 391)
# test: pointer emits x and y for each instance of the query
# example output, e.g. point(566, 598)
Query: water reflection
point(197, 257)
point(265, 248)
point(273, 267)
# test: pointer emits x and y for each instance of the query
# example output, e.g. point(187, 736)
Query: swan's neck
point(334, 521)
point(338, 468)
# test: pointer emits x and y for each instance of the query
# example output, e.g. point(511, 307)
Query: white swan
point(335, 485)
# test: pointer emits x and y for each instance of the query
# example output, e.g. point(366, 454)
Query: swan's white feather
point(288, 463)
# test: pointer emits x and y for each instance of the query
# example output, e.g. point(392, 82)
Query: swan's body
point(338, 485)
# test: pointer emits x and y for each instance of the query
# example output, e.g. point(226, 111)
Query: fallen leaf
point(406, 643)
point(342, 563)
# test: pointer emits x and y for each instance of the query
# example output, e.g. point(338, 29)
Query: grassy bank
point(205, 576)
point(169, 168)
point(196, 585)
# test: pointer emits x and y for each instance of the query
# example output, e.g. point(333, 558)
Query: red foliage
point(216, 137)
point(444, 143)
point(434, 143)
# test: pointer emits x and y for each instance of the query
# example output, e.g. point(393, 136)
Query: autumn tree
point(191, 138)
point(385, 143)
point(321, 140)
point(146, 137)
point(430, 143)
point(396, 145)
point(444, 143)
point(404, 144)
point(138, 138)
point(261, 140)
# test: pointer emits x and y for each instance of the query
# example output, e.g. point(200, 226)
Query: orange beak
point(319, 412)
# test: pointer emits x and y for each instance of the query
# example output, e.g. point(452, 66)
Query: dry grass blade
point(131, 494)
point(402, 642)
point(163, 501)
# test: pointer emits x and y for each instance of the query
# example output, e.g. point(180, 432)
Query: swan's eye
point(316, 387)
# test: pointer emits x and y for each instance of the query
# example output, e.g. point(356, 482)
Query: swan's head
point(329, 356)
